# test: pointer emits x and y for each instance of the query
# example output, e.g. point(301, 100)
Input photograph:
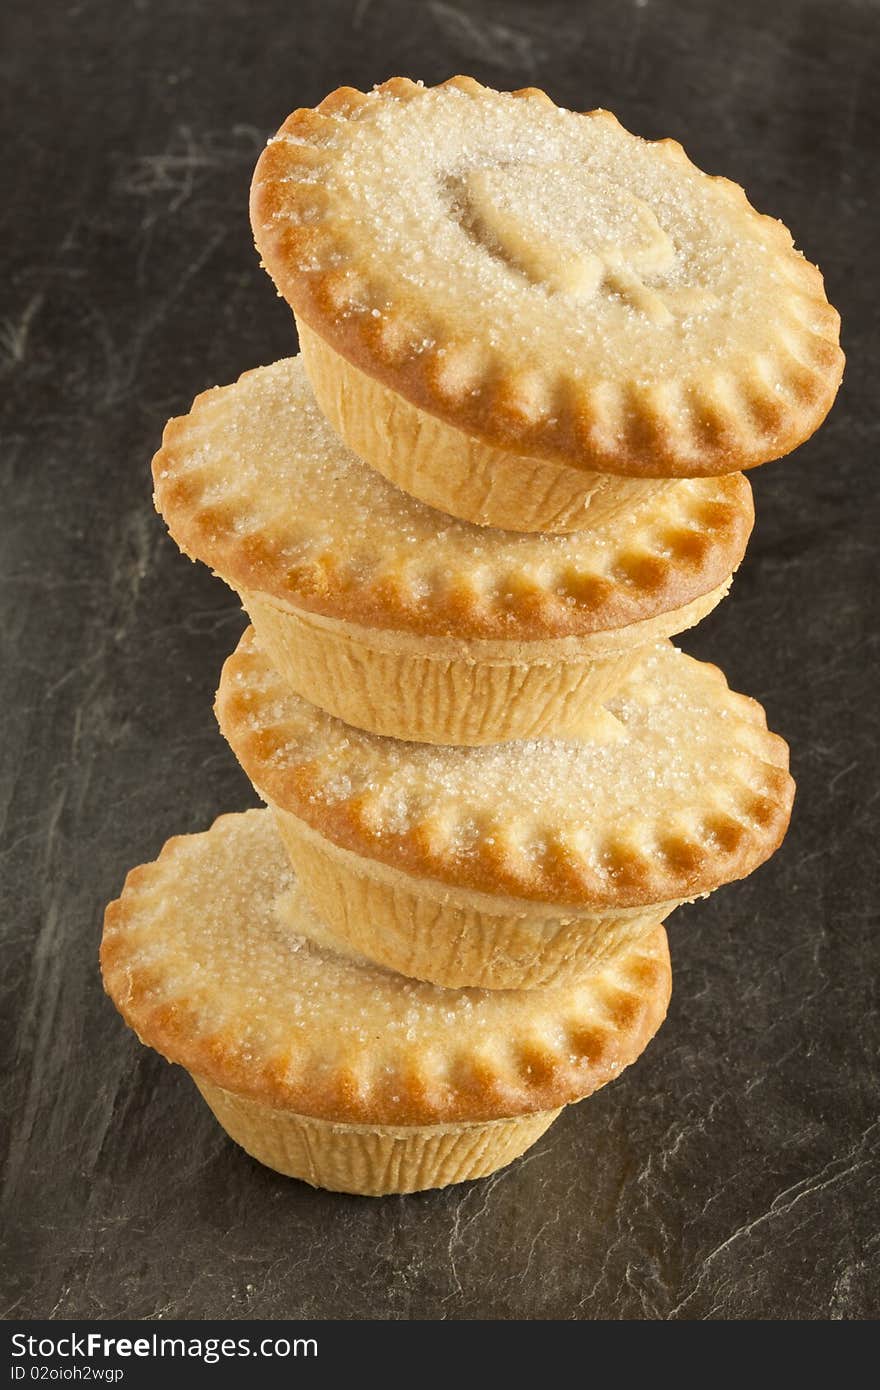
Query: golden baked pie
point(523, 863)
point(332, 1069)
point(496, 295)
point(407, 622)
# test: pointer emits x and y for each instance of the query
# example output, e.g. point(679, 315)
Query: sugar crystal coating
point(395, 159)
point(544, 278)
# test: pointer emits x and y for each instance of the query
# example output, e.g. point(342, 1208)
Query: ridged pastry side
point(454, 937)
point(453, 472)
point(366, 1161)
point(431, 691)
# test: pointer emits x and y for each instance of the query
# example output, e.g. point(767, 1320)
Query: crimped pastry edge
point(548, 651)
point(632, 994)
point(641, 435)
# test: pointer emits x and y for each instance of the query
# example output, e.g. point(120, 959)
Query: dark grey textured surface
point(733, 1173)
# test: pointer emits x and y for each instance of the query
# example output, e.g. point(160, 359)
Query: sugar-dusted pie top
point(691, 791)
point(544, 280)
point(213, 957)
point(255, 483)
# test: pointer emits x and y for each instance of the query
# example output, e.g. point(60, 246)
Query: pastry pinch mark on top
point(576, 233)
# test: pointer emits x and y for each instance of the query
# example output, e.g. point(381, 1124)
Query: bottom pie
point(331, 1069)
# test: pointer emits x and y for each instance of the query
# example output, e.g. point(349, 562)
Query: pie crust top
point(683, 790)
point(545, 281)
point(256, 484)
point(214, 959)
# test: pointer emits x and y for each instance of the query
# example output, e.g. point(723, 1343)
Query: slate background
point(733, 1173)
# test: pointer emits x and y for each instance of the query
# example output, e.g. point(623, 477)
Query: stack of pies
point(537, 353)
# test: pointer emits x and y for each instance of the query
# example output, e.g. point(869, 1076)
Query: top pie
point(545, 281)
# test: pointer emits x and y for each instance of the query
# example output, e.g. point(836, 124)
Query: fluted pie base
point(366, 1160)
